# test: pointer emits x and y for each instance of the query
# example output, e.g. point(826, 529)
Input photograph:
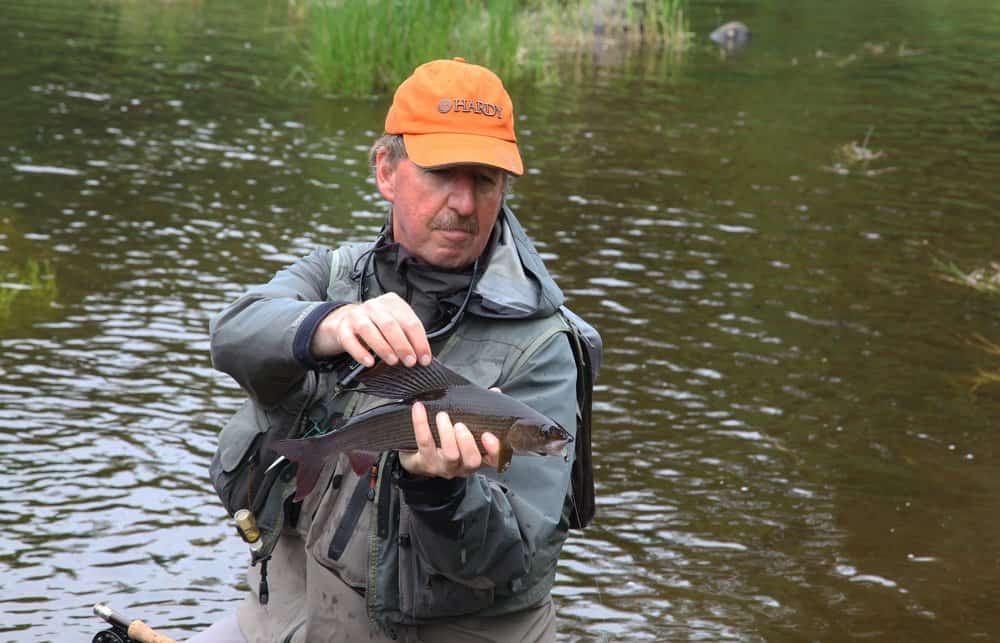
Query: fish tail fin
point(308, 468)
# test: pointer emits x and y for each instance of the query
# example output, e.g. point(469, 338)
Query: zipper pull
point(263, 593)
point(372, 477)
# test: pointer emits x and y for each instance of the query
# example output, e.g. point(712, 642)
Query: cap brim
point(437, 150)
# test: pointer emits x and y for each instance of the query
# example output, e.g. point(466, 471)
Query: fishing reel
point(123, 629)
point(112, 635)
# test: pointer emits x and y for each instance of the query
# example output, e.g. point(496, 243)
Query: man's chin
point(451, 259)
point(455, 237)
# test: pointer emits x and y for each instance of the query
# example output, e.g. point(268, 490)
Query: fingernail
point(409, 360)
point(425, 360)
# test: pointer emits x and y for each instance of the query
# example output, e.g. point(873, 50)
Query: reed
point(33, 285)
point(622, 22)
point(668, 18)
point(985, 280)
point(985, 377)
point(364, 47)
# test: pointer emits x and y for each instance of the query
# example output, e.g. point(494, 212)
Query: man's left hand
point(458, 455)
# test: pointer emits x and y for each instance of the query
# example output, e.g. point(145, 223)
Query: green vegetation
point(33, 285)
point(581, 22)
point(361, 47)
point(852, 153)
point(984, 377)
point(982, 279)
point(985, 280)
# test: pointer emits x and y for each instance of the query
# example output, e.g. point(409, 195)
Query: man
point(433, 545)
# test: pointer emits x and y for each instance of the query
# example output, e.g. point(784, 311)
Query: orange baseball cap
point(451, 112)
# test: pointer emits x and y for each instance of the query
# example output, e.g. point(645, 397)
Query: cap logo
point(470, 105)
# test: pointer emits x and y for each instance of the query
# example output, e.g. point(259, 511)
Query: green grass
point(582, 23)
point(33, 285)
point(985, 280)
point(364, 47)
point(985, 377)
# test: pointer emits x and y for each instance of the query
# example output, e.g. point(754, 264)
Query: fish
point(520, 429)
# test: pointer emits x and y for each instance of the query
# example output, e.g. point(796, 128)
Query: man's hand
point(458, 455)
point(385, 325)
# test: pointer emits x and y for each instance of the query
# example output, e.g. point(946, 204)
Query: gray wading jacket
point(420, 551)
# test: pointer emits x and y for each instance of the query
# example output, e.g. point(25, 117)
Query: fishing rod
point(125, 630)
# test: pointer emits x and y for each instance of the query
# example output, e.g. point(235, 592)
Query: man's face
point(443, 216)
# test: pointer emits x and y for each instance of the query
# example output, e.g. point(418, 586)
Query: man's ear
point(385, 176)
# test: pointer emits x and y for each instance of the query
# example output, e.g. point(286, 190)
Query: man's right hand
point(385, 325)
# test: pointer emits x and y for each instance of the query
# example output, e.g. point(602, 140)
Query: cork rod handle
point(145, 634)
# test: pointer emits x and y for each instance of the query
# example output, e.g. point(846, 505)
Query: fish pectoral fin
point(362, 461)
point(398, 382)
point(305, 480)
point(506, 453)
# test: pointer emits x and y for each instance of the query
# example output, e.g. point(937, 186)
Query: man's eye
point(488, 179)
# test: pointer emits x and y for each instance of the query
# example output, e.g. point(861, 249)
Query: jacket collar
point(515, 282)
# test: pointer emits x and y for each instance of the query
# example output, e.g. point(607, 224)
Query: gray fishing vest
point(359, 542)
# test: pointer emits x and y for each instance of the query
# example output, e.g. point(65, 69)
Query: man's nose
point(463, 193)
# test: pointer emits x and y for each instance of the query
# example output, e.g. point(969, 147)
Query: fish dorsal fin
point(400, 382)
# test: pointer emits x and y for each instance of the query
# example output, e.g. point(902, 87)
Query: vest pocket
point(424, 594)
point(345, 528)
point(232, 466)
point(337, 536)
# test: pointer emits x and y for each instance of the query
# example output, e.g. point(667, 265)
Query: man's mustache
point(455, 222)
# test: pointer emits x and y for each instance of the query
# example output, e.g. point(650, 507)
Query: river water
point(788, 442)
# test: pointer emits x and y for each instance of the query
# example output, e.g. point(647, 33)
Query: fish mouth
point(557, 447)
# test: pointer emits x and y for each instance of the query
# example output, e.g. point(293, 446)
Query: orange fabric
point(451, 112)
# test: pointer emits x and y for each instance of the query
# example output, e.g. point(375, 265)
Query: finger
point(414, 333)
point(415, 462)
point(471, 458)
point(351, 345)
point(396, 344)
point(417, 337)
point(426, 448)
point(449, 453)
point(491, 444)
point(367, 331)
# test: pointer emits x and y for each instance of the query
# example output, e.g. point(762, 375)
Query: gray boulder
point(731, 35)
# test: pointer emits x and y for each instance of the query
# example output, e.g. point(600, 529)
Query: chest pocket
point(337, 537)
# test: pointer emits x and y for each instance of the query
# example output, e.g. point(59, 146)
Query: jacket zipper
point(262, 556)
point(381, 496)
